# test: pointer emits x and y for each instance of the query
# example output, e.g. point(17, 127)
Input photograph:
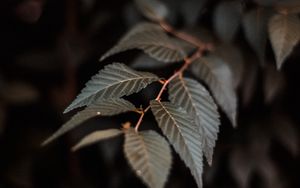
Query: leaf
point(115, 80)
point(107, 107)
point(241, 166)
point(152, 40)
point(183, 134)
point(96, 137)
point(149, 154)
point(217, 75)
point(284, 33)
point(196, 100)
point(249, 85)
point(285, 131)
point(145, 62)
point(233, 57)
point(227, 17)
point(255, 29)
point(273, 83)
point(152, 9)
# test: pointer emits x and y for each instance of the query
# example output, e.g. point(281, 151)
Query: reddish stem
point(187, 61)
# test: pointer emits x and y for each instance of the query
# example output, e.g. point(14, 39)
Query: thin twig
point(139, 122)
point(185, 36)
point(187, 61)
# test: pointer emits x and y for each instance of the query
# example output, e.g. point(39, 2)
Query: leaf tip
point(102, 58)
point(46, 142)
point(209, 161)
point(279, 65)
point(233, 120)
point(68, 109)
point(75, 148)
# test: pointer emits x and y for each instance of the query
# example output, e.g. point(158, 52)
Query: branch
point(186, 37)
point(187, 61)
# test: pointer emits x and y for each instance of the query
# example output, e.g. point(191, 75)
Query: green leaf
point(149, 154)
point(256, 30)
point(152, 40)
point(107, 107)
point(115, 80)
point(196, 100)
point(233, 57)
point(217, 75)
point(182, 133)
point(152, 9)
point(284, 33)
point(227, 17)
point(96, 137)
point(143, 61)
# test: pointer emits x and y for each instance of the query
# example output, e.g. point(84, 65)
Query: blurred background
point(50, 49)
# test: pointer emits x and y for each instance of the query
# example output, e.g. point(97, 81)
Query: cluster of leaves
point(190, 118)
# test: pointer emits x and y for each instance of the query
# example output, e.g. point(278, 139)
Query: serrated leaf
point(227, 18)
point(96, 137)
point(115, 80)
point(284, 31)
point(108, 107)
point(217, 75)
point(182, 133)
point(184, 46)
point(149, 154)
point(152, 40)
point(196, 100)
point(152, 9)
point(255, 29)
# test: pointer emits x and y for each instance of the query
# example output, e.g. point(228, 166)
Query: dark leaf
point(196, 100)
point(152, 40)
point(217, 75)
point(274, 82)
point(255, 29)
point(233, 57)
point(284, 31)
point(149, 154)
point(108, 107)
point(145, 62)
point(183, 134)
point(115, 80)
point(96, 137)
point(227, 17)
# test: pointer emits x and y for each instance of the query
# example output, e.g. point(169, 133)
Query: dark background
point(50, 48)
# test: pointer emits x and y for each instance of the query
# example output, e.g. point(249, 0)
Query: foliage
point(189, 118)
